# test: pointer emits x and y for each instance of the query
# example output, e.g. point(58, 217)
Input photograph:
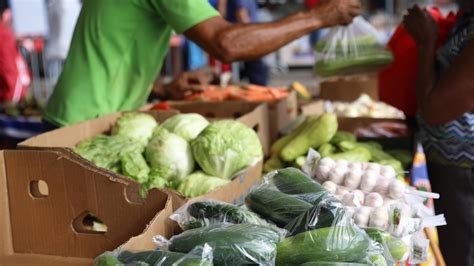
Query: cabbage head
point(135, 125)
point(171, 152)
point(226, 147)
point(199, 183)
point(187, 126)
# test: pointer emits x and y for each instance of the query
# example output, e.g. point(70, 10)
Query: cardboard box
point(46, 197)
point(50, 227)
point(348, 89)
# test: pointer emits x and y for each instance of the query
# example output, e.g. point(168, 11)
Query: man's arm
point(242, 42)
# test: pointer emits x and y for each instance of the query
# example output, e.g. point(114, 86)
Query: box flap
point(51, 218)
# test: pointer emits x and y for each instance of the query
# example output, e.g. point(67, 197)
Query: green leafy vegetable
point(226, 147)
point(135, 125)
point(187, 126)
point(199, 183)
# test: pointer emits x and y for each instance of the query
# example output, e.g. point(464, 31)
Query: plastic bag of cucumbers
point(199, 255)
point(232, 244)
point(351, 49)
point(321, 230)
point(206, 212)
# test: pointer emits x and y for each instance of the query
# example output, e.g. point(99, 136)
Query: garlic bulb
point(336, 175)
point(369, 179)
point(361, 216)
point(341, 191)
point(382, 184)
point(326, 162)
point(374, 200)
point(360, 195)
point(379, 218)
point(388, 172)
point(322, 173)
point(397, 189)
point(330, 186)
point(373, 167)
point(351, 199)
point(352, 179)
point(355, 166)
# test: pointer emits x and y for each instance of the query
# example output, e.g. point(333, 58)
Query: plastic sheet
point(320, 228)
point(201, 255)
point(350, 50)
point(233, 244)
point(206, 212)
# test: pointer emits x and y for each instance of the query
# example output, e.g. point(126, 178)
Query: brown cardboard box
point(45, 196)
point(348, 89)
point(49, 226)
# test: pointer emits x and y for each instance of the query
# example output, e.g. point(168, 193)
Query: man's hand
point(337, 12)
point(184, 85)
point(421, 26)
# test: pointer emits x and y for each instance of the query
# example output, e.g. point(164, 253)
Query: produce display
point(364, 106)
point(321, 134)
point(351, 49)
point(185, 152)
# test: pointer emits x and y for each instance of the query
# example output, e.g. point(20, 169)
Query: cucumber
point(233, 244)
point(210, 212)
point(282, 142)
point(358, 154)
point(328, 211)
point(164, 258)
point(326, 149)
point(340, 243)
point(378, 235)
point(316, 134)
point(347, 63)
point(293, 181)
point(329, 263)
point(343, 136)
point(276, 206)
point(397, 249)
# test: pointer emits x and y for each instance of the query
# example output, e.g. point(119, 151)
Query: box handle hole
point(39, 189)
point(88, 223)
point(256, 128)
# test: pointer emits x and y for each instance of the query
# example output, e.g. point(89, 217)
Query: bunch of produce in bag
point(232, 244)
point(206, 212)
point(186, 152)
point(200, 255)
point(391, 211)
point(320, 229)
point(351, 49)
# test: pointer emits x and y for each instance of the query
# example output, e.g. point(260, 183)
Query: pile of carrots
point(250, 93)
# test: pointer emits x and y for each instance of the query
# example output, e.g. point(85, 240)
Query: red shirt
point(14, 75)
point(311, 3)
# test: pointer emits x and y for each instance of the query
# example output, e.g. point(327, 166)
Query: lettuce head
point(226, 147)
point(135, 125)
point(187, 126)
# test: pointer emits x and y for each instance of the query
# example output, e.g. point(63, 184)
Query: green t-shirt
point(116, 52)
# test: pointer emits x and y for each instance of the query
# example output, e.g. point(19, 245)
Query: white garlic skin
point(396, 189)
point(336, 175)
point(353, 178)
point(341, 191)
point(342, 163)
point(373, 200)
point(327, 162)
point(355, 166)
point(373, 167)
point(350, 199)
point(322, 173)
point(382, 185)
point(379, 218)
point(369, 179)
point(388, 172)
point(330, 186)
point(361, 217)
point(360, 195)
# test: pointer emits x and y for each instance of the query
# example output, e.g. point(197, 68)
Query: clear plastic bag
point(200, 255)
point(321, 229)
point(350, 50)
point(233, 244)
point(206, 212)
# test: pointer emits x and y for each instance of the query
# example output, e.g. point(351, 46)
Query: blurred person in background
point(245, 11)
point(445, 98)
point(118, 49)
point(14, 75)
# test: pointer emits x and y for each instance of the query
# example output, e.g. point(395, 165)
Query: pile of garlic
point(364, 106)
point(371, 192)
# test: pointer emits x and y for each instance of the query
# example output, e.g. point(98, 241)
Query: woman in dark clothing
point(445, 97)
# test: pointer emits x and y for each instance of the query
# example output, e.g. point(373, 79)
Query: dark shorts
point(47, 126)
point(456, 187)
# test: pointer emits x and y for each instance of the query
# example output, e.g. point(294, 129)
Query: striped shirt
point(452, 143)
